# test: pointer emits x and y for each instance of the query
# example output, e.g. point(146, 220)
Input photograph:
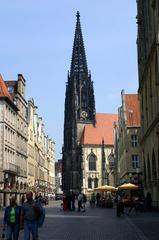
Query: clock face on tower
point(84, 114)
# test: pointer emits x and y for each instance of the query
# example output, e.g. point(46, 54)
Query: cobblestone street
point(97, 224)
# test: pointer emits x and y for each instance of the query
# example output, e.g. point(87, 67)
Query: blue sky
point(37, 38)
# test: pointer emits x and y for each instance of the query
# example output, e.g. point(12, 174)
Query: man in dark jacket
point(31, 212)
point(12, 219)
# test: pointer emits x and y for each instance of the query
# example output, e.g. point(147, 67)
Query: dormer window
point(11, 89)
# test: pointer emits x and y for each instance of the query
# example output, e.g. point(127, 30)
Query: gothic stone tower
point(79, 111)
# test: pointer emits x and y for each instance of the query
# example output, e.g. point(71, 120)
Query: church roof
point(132, 110)
point(104, 130)
point(3, 89)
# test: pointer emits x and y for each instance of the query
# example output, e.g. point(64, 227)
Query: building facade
point(43, 161)
point(58, 176)
point(16, 89)
point(27, 155)
point(31, 164)
point(148, 68)
point(8, 131)
point(130, 164)
point(50, 155)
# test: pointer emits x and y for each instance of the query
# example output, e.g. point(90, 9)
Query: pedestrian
point(31, 212)
point(84, 202)
point(22, 199)
point(80, 200)
point(73, 197)
point(148, 201)
point(64, 199)
point(119, 205)
point(98, 199)
point(92, 200)
point(36, 196)
point(133, 205)
point(68, 196)
point(12, 219)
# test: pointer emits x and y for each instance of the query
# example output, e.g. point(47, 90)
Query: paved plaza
point(97, 224)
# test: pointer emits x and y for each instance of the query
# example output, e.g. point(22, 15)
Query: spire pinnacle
point(78, 15)
point(78, 63)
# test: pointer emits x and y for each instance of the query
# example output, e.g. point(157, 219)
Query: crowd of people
point(120, 199)
point(28, 217)
point(132, 202)
point(69, 199)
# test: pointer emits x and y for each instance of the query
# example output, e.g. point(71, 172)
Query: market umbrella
point(128, 186)
point(106, 188)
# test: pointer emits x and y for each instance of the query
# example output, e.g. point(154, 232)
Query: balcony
point(10, 167)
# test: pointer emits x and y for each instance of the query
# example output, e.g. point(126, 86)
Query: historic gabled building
point(8, 132)
point(44, 158)
point(58, 176)
point(148, 67)
point(32, 164)
point(130, 164)
point(16, 89)
point(79, 111)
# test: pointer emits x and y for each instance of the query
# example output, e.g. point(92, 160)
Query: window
point(135, 161)
point(11, 89)
point(134, 140)
point(89, 183)
point(96, 182)
point(92, 162)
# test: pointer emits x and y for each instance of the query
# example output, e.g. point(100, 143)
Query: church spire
point(79, 62)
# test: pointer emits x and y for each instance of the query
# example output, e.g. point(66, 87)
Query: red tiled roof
point(3, 89)
point(104, 130)
point(132, 109)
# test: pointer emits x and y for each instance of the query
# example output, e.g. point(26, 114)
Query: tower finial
point(78, 62)
point(78, 15)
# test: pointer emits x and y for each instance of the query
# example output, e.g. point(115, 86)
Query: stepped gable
point(132, 106)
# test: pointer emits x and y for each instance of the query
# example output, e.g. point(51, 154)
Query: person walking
point(73, 197)
point(22, 199)
point(84, 202)
point(64, 199)
point(12, 219)
point(31, 211)
point(133, 204)
point(148, 201)
point(80, 200)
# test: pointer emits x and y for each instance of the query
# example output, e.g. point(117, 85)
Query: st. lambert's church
point(88, 136)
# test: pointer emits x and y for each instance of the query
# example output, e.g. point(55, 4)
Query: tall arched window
point(92, 162)
point(96, 182)
point(89, 183)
